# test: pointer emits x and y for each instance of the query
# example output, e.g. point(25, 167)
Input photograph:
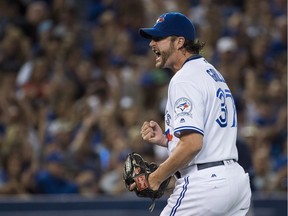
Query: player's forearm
point(177, 160)
point(180, 157)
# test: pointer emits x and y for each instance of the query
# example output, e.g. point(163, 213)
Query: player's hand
point(154, 185)
point(152, 132)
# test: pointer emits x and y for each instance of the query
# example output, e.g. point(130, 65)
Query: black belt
point(204, 166)
point(210, 164)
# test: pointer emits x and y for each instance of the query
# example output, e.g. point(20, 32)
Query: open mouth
point(157, 53)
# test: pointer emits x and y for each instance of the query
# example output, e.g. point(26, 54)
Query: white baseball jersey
point(199, 100)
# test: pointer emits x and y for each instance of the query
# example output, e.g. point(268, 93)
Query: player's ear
point(180, 42)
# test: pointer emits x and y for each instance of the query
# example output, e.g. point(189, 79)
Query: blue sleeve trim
point(177, 131)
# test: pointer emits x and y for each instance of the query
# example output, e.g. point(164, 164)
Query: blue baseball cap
point(170, 24)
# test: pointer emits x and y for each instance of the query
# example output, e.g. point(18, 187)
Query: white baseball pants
point(216, 191)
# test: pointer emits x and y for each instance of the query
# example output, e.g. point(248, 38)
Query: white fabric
point(200, 100)
point(216, 191)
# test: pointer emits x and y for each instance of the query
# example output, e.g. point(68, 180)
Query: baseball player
point(200, 127)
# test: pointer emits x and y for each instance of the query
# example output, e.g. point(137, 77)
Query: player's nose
point(152, 43)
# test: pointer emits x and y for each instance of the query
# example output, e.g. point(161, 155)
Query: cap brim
point(150, 33)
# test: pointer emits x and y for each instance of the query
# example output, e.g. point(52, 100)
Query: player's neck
point(181, 61)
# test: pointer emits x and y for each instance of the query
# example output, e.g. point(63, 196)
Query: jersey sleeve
point(188, 107)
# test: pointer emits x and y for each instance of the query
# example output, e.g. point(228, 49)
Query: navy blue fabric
point(170, 24)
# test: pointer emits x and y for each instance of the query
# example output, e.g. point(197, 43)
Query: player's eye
point(157, 39)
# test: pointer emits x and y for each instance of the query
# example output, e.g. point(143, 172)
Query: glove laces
point(152, 206)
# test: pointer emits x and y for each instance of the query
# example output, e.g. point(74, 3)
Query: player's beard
point(163, 61)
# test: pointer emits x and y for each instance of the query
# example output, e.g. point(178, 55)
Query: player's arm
point(187, 148)
point(152, 132)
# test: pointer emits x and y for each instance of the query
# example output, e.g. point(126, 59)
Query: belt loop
point(230, 161)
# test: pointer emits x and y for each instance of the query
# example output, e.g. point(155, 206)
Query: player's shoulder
point(192, 70)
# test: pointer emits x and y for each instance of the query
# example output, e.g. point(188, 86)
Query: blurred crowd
point(77, 82)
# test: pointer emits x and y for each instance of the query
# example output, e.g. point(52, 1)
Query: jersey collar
point(193, 57)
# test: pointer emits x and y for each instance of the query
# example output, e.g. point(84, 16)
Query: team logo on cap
point(160, 19)
point(183, 106)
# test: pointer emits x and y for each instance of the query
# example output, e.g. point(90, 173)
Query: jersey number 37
point(228, 109)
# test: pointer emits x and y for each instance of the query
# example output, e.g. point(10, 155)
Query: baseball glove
point(137, 170)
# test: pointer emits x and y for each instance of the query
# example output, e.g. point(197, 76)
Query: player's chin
point(159, 64)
